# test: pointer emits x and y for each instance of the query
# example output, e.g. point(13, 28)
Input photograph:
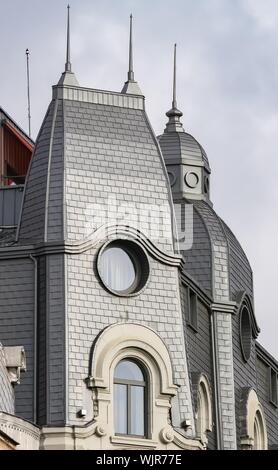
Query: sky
point(227, 89)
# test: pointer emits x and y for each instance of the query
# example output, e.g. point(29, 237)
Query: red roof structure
point(15, 151)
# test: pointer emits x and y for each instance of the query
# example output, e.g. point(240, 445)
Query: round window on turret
point(245, 333)
point(123, 267)
point(191, 179)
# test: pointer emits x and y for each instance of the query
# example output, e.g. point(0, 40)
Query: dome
point(182, 146)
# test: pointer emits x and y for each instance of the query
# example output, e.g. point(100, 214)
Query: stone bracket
point(15, 362)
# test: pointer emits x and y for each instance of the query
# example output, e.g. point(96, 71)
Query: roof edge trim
point(103, 97)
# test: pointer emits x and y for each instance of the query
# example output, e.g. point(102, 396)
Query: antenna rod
point(28, 90)
point(174, 104)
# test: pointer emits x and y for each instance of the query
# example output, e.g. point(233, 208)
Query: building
point(131, 299)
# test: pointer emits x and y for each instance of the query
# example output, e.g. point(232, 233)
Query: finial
point(68, 77)
point(131, 86)
point(174, 114)
point(68, 63)
point(130, 75)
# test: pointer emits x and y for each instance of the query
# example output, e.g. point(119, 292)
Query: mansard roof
point(92, 144)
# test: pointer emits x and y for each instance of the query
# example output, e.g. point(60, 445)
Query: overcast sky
point(227, 89)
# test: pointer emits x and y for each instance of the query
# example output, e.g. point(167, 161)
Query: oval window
point(123, 267)
point(245, 333)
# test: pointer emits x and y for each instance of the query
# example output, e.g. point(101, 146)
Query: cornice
point(228, 307)
point(100, 235)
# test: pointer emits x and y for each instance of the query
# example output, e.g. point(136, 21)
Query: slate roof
point(210, 230)
point(7, 237)
point(181, 145)
point(92, 144)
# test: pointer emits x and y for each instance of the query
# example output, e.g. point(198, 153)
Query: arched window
point(204, 409)
point(135, 357)
point(259, 432)
point(130, 399)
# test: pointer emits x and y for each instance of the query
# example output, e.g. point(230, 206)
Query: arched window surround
point(121, 339)
point(253, 424)
point(143, 345)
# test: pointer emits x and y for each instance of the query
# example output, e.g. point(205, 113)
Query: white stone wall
point(6, 388)
point(23, 432)
point(91, 308)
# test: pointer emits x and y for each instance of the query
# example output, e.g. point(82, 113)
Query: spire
point(68, 63)
point(131, 86)
point(174, 114)
point(68, 77)
point(130, 75)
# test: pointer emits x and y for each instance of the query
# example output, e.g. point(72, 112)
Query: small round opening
point(191, 179)
point(123, 267)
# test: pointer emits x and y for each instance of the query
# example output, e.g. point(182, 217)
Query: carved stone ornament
point(100, 431)
point(167, 435)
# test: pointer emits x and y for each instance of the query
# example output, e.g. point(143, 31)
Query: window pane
point(128, 370)
point(120, 409)
point(137, 411)
point(117, 269)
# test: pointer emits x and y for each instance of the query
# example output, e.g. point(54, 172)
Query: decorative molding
point(134, 442)
point(130, 339)
point(101, 234)
point(85, 437)
point(103, 97)
point(224, 307)
point(140, 261)
point(250, 410)
point(187, 444)
point(100, 431)
point(184, 161)
point(25, 433)
point(244, 299)
point(167, 435)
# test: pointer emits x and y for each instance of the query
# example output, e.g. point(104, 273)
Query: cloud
point(265, 13)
